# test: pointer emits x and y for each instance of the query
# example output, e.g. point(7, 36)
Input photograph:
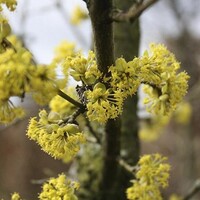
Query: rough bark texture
point(103, 40)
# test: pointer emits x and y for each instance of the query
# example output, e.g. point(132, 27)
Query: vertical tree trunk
point(127, 38)
point(99, 11)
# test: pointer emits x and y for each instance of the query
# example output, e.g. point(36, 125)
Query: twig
point(77, 33)
point(92, 131)
point(126, 166)
point(68, 98)
point(133, 13)
point(71, 118)
point(195, 188)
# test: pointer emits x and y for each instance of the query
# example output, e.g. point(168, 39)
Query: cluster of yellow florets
point(165, 87)
point(104, 96)
point(83, 69)
point(60, 141)
point(124, 76)
point(63, 50)
point(59, 188)
point(16, 196)
point(20, 75)
point(103, 104)
point(56, 189)
point(151, 175)
point(78, 15)
point(10, 4)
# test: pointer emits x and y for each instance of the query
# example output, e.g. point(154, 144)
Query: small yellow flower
point(124, 76)
point(8, 112)
point(59, 188)
point(10, 4)
point(59, 141)
point(152, 174)
point(165, 87)
point(103, 104)
point(78, 15)
point(83, 69)
point(15, 196)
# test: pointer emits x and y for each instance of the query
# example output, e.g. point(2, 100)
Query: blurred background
point(44, 24)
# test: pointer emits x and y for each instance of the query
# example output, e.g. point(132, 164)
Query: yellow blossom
point(143, 192)
point(63, 50)
point(8, 112)
point(44, 83)
point(83, 69)
point(152, 174)
point(165, 87)
point(15, 196)
point(103, 104)
point(10, 4)
point(124, 76)
point(59, 188)
point(60, 141)
point(78, 15)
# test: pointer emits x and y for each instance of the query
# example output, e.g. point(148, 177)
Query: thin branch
point(126, 166)
point(71, 118)
point(77, 33)
point(92, 131)
point(133, 13)
point(68, 98)
point(195, 188)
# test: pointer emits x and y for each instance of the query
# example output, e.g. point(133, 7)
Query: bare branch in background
point(133, 13)
point(77, 33)
point(195, 188)
point(92, 131)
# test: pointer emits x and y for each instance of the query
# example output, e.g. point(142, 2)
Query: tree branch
point(126, 166)
point(133, 13)
point(68, 98)
point(98, 140)
point(195, 188)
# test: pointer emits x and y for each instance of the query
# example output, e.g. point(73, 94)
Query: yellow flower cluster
point(60, 141)
point(63, 50)
point(15, 196)
point(104, 96)
point(56, 189)
point(43, 83)
point(59, 188)
point(5, 31)
point(83, 69)
point(78, 15)
point(20, 75)
point(165, 86)
point(125, 76)
point(9, 112)
point(10, 4)
point(103, 104)
point(152, 173)
point(14, 79)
